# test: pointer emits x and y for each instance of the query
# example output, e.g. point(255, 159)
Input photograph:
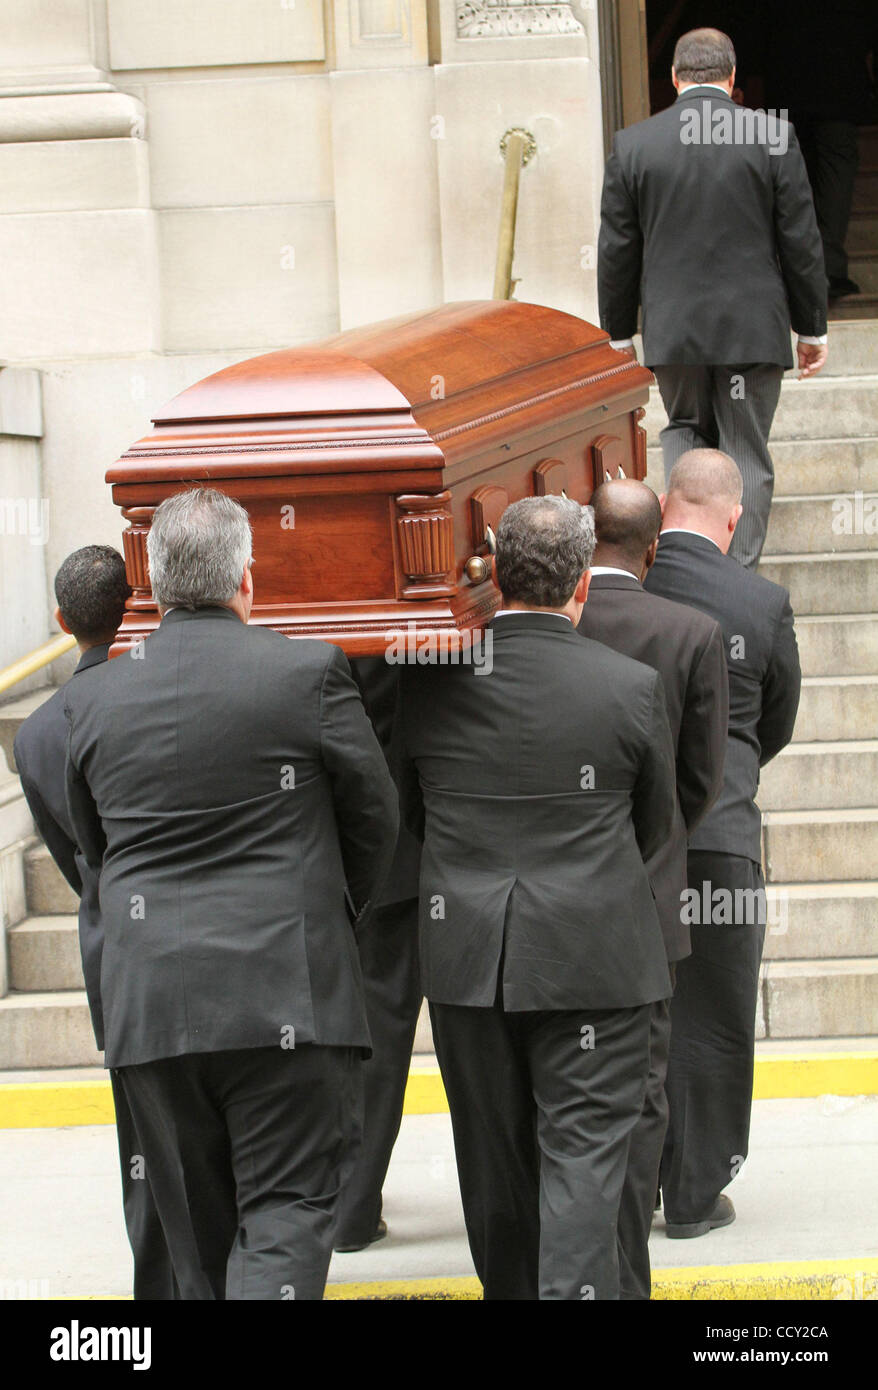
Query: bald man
point(687, 649)
point(710, 1070)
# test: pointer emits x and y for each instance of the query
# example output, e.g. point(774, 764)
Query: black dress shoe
point(380, 1233)
point(722, 1214)
point(840, 287)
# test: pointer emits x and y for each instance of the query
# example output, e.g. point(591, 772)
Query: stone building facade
point(183, 185)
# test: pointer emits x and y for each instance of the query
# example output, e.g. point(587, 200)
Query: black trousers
point(246, 1153)
point(542, 1112)
point(710, 1068)
point(729, 408)
point(389, 956)
point(153, 1268)
point(831, 153)
point(644, 1161)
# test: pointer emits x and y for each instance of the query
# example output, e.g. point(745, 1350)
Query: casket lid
point(417, 393)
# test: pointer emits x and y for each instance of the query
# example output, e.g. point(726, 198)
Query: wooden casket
point(372, 464)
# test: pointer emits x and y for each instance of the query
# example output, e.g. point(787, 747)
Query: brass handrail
point(35, 660)
point(517, 148)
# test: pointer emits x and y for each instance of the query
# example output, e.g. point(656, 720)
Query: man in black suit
point(388, 944)
point(228, 787)
point(707, 217)
point(543, 779)
point(710, 1070)
point(91, 589)
point(686, 648)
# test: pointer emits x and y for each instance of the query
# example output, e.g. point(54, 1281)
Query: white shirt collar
point(716, 85)
point(611, 569)
point(684, 531)
point(525, 612)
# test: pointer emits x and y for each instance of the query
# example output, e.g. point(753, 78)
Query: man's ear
point(580, 593)
point(246, 585)
point(737, 513)
point(674, 78)
point(494, 571)
point(663, 497)
point(60, 621)
point(649, 557)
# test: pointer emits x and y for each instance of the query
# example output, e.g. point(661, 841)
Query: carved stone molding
point(492, 19)
point(100, 115)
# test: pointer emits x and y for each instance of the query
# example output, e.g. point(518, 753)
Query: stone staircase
point(862, 240)
point(820, 796)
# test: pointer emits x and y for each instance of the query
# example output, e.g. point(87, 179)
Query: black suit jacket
point(764, 675)
point(686, 648)
point(40, 751)
point(227, 784)
point(378, 684)
point(718, 242)
point(540, 786)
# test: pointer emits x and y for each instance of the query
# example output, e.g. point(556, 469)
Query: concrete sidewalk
point(807, 1193)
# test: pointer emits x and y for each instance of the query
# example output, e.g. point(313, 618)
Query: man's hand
point(811, 356)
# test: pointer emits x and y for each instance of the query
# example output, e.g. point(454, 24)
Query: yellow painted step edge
point(824, 1280)
point(49, 1104)
point(827, 1280)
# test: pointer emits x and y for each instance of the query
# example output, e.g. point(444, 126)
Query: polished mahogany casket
point(372, 464)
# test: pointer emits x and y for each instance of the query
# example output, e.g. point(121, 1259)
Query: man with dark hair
point(707, 221)
point(91, 589)
point(686, 648)
point(710, 1069)
point(227, 786)
point(539, 788)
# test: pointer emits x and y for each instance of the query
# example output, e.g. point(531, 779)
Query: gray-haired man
point(540, 789)
point(228, 786)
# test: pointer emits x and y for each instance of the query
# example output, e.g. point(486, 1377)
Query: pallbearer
point(540, 779)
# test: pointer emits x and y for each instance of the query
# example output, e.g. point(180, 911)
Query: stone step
point(867, 138)
point(853, 345)
point(865, 197)
point(821, 921)
point(854, 307)
point(864, 270)
point(819, 523)
point(46, 1030)
point(13, 715)
point(804, 468)
point(837, 707)
point(862, 232)
point(838, 645)
point(829, 407)
point(827, 584)
point(822, 999)
point(822, 776)
point(44, 955)
point(48, 892)
point(816, 846)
